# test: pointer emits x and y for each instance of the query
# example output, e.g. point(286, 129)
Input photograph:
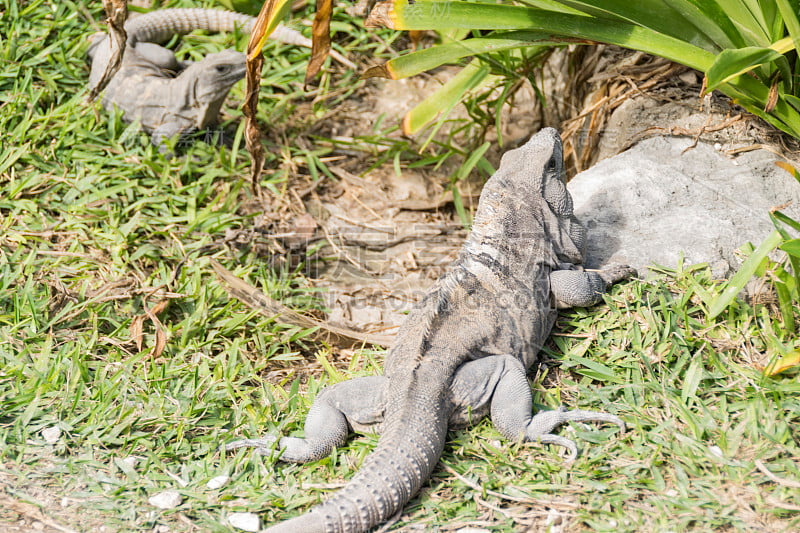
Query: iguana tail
point(160, 25)
point(414, 432)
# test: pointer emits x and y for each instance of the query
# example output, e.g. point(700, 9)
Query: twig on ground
point(779, 480)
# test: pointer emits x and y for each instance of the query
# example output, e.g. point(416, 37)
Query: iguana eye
point(552, 165)
point(222, 69)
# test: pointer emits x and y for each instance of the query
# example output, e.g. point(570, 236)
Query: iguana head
point(208, 81)
point(527, 200)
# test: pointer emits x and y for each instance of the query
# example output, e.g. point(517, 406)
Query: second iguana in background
point(170, 97)
point(464, 351)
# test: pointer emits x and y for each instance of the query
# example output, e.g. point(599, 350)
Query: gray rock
point(659, 201)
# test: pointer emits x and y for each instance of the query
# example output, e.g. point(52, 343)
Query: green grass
point(96, 228)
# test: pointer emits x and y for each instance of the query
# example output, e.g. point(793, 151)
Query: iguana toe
point(558, 440)
point(613, 273)
point(263, 446)
point(540, 427)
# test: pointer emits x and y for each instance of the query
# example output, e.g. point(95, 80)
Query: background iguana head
point(527, 198)
point(208, 81)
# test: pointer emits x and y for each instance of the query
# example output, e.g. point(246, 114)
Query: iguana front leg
point(500, 381)
point(353, 404)
point(579, 288)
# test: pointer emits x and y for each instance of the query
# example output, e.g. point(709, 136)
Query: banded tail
point(160, 25)
point(409, 448)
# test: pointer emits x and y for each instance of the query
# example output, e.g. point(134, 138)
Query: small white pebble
point(131, 461)
point(554, 518)
point(51, 434)
point(169, 499)
point(245, 521)
point(163, 528)
point(613, 523)
point(217, 482)
point(717, 147)
point(38, 526)
point(688, 77)
point(716, 450)
point(671, 493)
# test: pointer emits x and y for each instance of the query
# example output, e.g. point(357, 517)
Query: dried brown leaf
point(116, 14)
point(257, 300)
point(259, 32)
point(377, 71)
point(787, 361)
point(160, 307)
point(137, 327)
point(254, 63)
point(161, 339)
point(321, 38)
point(772, 98)
point(252, 134)
point(381, 15)
point(786, 166)
point(416, 38)
point(161, 332)
point(137, 331)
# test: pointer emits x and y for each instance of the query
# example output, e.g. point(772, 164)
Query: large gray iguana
point(166, 96)
point(464, 351)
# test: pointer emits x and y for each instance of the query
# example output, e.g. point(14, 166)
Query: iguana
point(166, 96)
point(464, 351)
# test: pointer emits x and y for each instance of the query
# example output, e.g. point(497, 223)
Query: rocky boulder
point(663, 199)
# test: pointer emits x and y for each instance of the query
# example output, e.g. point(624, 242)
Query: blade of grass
point(426, 15)
point(441, 102)
point(429, 58)
point(657, 15)
point(709, 18)
point(743, 275)
point(732, 63)
point(789, 14)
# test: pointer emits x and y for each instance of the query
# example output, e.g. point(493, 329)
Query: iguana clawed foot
point(613, 273)
point(353, 404)
point(540, 427)
point(290, 449)
point(263, 446)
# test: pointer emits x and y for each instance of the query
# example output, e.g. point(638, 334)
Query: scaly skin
point(147, 91)
point(464, 351)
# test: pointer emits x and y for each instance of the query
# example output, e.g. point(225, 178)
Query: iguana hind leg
point(501, 381)
point(356, 403)
point(159, 56)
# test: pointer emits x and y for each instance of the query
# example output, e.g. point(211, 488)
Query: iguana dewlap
point(464, 351)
